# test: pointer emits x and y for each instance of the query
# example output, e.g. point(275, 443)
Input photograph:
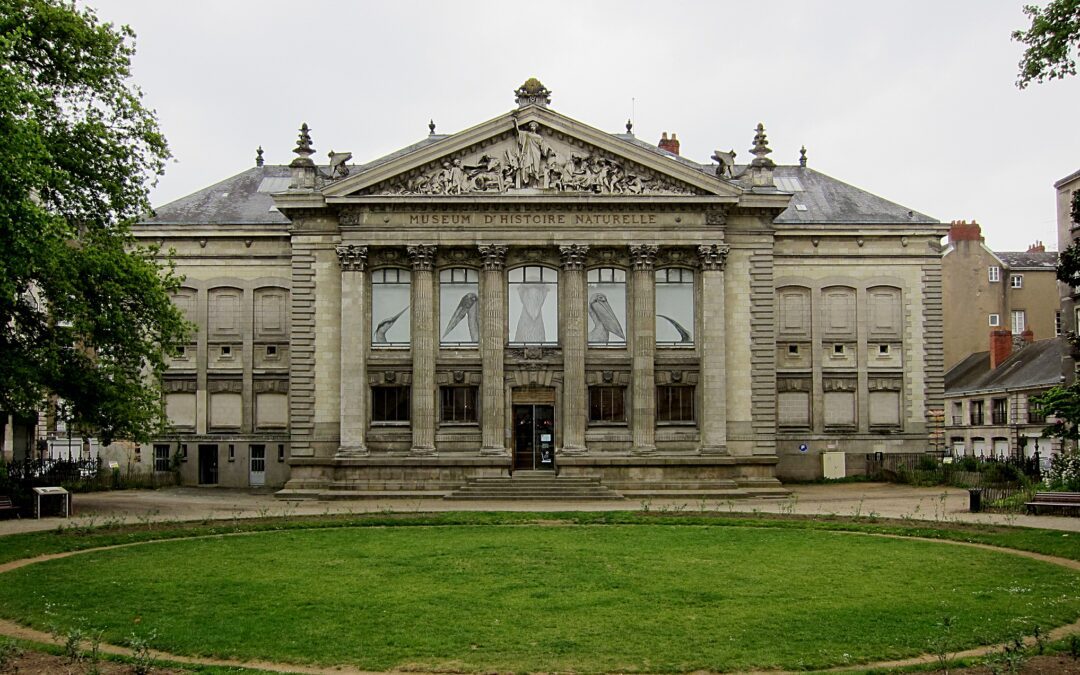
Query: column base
point(352, 451)
point(643, 450)
point(493, 452)
point(422, 451)
point(575, 450)
point(715, 450)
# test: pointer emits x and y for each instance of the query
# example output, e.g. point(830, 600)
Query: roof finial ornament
point(303, 148)
point(532, 92)
point(802, 156)
point(629, 127)
point(431, 127)
point(761, 148)
point(259, 156)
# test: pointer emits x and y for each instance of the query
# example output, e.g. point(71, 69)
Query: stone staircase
point(534, 486)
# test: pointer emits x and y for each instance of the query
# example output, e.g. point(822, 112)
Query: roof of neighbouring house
point(1036, 365)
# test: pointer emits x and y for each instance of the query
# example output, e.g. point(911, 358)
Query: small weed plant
point(142, 663)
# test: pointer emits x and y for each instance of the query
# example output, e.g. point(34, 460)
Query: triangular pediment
point(531, 151)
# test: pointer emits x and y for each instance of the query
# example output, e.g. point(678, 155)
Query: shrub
point(1064, 473)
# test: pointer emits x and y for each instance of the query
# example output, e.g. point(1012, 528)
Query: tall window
point(458, 405)
point(607, 404)
point(161, 457)
point(390, 299)
point(675, 306)
point(675, 403)
point(534, 305)
point(994, 273)
point(999, 411)
point(607, 306)
point(976, 408)
point(459, 307)
point(1019, 321)
point(390, 404)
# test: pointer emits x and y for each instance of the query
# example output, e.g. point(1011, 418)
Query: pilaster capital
point(643, 256)
point(713, 256)
point(352, 258)
point(573, 256)
point(493, 255)
point(422, 257)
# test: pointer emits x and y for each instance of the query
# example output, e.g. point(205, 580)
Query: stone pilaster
point(354, 333)
point(643, 431)
point(713, 416)
point(492, 343)
point(423, 348)
point(573, 347)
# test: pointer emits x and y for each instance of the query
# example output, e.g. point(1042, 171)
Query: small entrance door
point(534, 436)
point(257, 477)
point(208, 464)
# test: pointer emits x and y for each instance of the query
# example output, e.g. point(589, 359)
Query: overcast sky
point(914, 101)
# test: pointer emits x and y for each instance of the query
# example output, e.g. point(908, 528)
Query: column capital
point(713, 256)
point(352, 258)
point(494, 256)
point(643, 256)
point(573, 256)
point(422, 256)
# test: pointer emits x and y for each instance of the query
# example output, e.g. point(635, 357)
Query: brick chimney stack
point(669, 144)
point(1000, 347)
point(1037, 247)
point(962, 230)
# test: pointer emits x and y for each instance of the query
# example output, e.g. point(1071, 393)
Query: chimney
point(669, 144)
point(1037, 247)
point(1028, 336)
point(1000, 347)
point(962, 230)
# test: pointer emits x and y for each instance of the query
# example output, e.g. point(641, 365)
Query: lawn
point(635, 597)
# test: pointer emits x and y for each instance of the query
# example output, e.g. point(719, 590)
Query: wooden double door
point(534, 436)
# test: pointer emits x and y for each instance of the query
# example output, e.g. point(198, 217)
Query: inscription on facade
point(533, 219)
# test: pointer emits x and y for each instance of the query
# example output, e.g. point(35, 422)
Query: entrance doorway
point(534, 436)
point(257, 475)
point(208, 464)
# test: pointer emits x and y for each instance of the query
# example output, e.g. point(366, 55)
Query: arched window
point(607, 306)
point(459, 306)
point(534, 305)
point(675, 306)
point(390, 299)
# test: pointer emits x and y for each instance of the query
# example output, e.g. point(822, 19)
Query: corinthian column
point(423, 349)
point(713, 418)
point(492, 341)
point(573, 347)
point(354, 335)
point(643, 260)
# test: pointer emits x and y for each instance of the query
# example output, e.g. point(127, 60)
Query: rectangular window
point(232, 452)
point(958, 413)
point(995, 319)
point(161, 457)
point(1019, 321)
point(458, 405)
point(607, 404)
point(390, 404)
point(999, 411)
point(1016, 280)
point(281, 452)
point(994, 274)
point(1034, 414)
point(976, 413)
point(675, 403)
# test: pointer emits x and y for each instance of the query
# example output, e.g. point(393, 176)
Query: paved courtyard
point(882, 500)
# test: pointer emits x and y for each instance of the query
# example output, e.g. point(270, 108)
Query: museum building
point(535, 295)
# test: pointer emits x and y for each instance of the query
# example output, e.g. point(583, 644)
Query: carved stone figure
point(530, 156)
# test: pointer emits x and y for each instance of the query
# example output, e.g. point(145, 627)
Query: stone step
point(533, 486)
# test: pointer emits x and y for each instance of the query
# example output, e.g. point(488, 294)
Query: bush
point(1064, 473)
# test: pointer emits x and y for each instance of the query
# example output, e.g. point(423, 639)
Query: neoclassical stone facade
point(532, 294)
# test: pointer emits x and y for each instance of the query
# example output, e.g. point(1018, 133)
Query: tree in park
point(1052, 42)
point(85, 313)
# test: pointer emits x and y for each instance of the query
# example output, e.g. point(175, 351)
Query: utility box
point(833, 464)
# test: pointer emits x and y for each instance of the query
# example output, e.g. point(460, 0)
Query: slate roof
point(245, 199)
point(1037, 365)
point(1030, 260)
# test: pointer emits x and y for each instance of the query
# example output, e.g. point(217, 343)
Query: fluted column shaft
point(713, 417)
point(492, 343)
point(354, 337)
point(643, 259)
point(423, 349)
point(573, 347)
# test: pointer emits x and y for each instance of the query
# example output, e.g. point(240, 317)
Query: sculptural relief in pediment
point(531, 158)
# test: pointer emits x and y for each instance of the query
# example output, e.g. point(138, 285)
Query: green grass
point(655, 593)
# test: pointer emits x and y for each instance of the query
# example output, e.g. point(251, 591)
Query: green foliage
point(1051, 42)
point(1064, 473)
point(1063, 403)
point(87, 313)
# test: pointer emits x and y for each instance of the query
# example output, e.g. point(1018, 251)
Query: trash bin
point(975, 500)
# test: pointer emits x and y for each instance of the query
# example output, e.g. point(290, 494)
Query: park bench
point(7, 506)
point(1069, 502)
